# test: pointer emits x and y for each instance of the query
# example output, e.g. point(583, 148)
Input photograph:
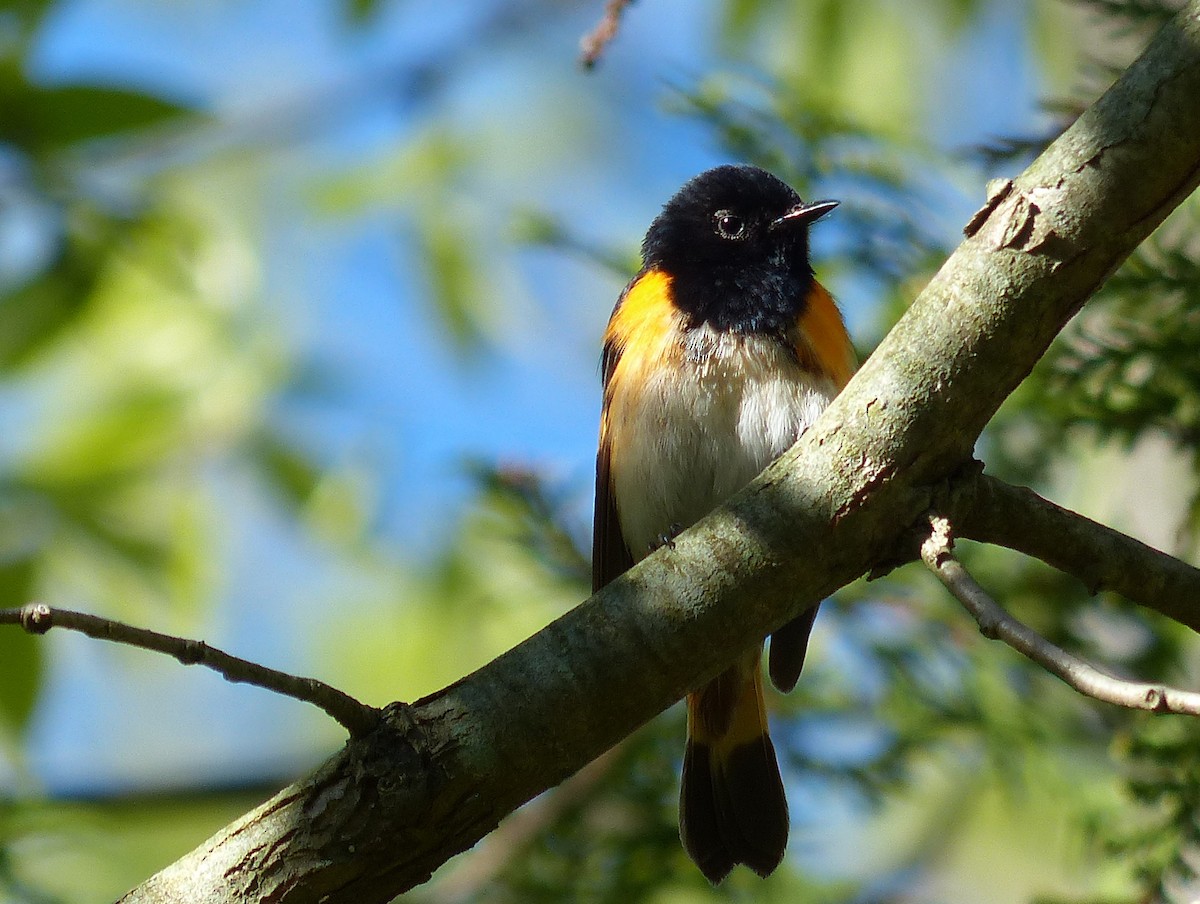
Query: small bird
point(719, 354)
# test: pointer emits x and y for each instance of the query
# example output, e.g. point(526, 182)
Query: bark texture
point(382, 814)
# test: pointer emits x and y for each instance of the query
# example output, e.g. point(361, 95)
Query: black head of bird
point(735, 242)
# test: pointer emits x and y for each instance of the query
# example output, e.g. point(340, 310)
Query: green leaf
point(28, 13)
point(75, 113)
point(454, 281)
point(357, 12)
point(286, 468)
point(38, 312)
point(39, 118)
point(21, 655)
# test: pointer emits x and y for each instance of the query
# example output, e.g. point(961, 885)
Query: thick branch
point(389, 809)
point(355, 717)
point(991, 511)
point(997, 623)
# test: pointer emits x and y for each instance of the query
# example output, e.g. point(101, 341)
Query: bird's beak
point(803, 214)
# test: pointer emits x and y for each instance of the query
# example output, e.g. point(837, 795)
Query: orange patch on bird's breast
point(821, 341)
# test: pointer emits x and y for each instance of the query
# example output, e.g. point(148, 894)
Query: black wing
point(610, 555)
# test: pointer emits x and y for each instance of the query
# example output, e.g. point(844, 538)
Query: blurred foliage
point(56, 852)
point(140, 364)
point(1163, 839)
point(513, 566)
point(130, 355)
point(1128, 366)
point(133, 359)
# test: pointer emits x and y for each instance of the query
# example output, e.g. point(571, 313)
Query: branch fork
point(996, 623)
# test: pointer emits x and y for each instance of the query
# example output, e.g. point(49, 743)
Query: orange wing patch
point(643, 317)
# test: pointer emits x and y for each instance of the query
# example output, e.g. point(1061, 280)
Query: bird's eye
point(729, 225)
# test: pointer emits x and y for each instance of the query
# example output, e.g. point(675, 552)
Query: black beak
point(803, 214)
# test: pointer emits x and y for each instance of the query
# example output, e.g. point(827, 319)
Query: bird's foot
point(666, 538)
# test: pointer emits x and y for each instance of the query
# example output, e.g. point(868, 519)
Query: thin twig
point(995, 622)
point(592, 45)
point(357, 718)
point(992, 511)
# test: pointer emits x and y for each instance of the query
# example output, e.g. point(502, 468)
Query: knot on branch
point(940, 542)
point(192, 652)
point(1158, 700)
point(37, 618)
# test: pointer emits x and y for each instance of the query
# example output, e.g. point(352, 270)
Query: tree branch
point(998, 624)
point(435, 777)
point(357, 718)
point(592, 45)
point(991, 511)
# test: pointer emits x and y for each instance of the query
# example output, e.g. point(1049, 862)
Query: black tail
point(732, 806)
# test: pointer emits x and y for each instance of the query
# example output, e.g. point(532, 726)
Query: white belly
point(684, 443)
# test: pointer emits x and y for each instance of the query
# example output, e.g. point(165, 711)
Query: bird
point(720, 352)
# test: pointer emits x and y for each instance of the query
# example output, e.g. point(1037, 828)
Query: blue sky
point(406, 407)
